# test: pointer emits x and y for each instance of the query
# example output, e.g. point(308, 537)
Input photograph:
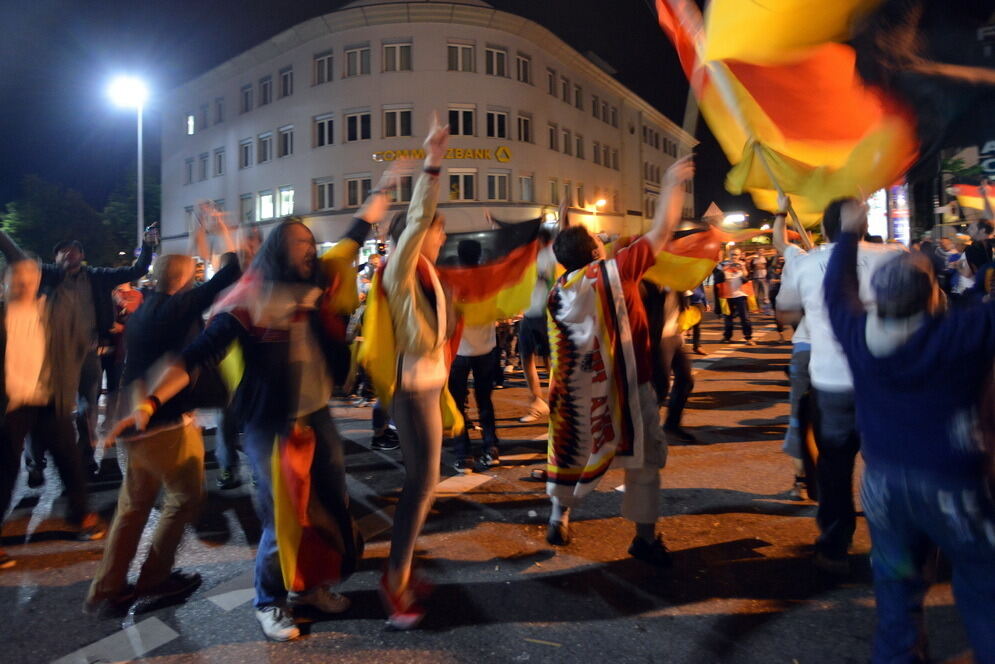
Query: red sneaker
point(403, 611)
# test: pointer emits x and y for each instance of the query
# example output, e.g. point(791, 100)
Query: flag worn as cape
point(317, 544)
point(378, 354)
point(824, 133)
point(501, 285)
point(595, 421)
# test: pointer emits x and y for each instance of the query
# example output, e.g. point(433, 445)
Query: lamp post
point(130, 92)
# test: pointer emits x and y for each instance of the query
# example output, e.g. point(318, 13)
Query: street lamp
point(130, 92)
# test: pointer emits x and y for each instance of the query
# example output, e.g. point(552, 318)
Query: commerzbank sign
point(501, 154)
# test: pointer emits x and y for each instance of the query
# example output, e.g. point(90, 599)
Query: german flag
point(501, 285)
point(775, 86)
point(969, 196)
point(687, 260)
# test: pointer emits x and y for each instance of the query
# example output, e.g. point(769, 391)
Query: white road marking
point(124, 646)
point(233, 598)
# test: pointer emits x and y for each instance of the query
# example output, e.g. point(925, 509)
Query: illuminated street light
point(601, 203)
point(131, 92)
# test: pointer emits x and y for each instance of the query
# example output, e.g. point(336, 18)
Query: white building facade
point(306, 123)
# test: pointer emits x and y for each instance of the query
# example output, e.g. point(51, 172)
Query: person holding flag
point(735, 293)
point(603, 409)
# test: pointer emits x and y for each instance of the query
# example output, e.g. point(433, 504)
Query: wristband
point(780, 214)
point(433, 170)
point(146, 407)
point(155, 401)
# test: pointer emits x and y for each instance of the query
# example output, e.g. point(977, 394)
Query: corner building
point(306, 123)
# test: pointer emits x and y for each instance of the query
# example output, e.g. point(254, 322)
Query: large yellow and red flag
point(775, 87)
point(969, 196)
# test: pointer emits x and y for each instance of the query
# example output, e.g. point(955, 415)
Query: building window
point(523, 64)
point(322, 68)
point(554, 192)
point(357, 61)
point(402, 192)
point(615, 205)
point(357, 127)
point(568, 194)
point(265, 90)
point(246, 210)
point(614, 120)
point(615, 158)
point(219, 110)
point(606, 156)
point(219, 162)
point(604, 111)
point(581, 201)
point(497, 124)
point(525, 129)
point(565, 89)
point(461, 57)
point(554, 136)
point(568, 142)
point(324, 195)
point(188, 171)
point(579, 146)
point(246, 98)
point(578, 97)
point(323, 131)
point(595, 106)
point(245, 153)
point(285, 144)
point(191, 124)
point(597, 153)
point(462, 185)
point(202, 118)
point(397, 123)
point(286, 201)
point(397, 57)
point(526, 187)
point(357, 189)
point(551, 81)
point(496, 62)
point(202, 166)
point(497, 186)
point(461, 121)
point(286, 82)
point(264, 207)
point(264, 149)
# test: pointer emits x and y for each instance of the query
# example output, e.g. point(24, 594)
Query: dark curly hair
point(574, 247)
point(271, 260)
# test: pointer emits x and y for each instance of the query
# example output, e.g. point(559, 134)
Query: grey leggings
point(419, 427)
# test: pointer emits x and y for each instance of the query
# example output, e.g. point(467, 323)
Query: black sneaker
point(36, 477)
point(386, 441)
point(558, 533)
point(491, 458)
point(6, 561)
point(228, 479)
point(679, 433)
point(173, 590)
point(111, 607)
point(652, 553)
point(464, 466)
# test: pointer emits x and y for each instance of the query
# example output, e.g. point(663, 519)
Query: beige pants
point(169, 459)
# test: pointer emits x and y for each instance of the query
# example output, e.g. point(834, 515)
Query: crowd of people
point(892, 358)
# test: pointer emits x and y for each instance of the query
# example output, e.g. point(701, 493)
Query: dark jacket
point(102, 281)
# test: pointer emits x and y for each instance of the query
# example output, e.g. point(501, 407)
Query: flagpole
point(724, 85)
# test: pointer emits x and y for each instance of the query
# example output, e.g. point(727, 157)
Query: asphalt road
point(742, 588)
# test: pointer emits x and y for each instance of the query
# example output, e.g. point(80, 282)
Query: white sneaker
point(321, 598)
point(277, 623)
point(535, 414)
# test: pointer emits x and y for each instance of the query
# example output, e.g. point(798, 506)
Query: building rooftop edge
point(367, 14)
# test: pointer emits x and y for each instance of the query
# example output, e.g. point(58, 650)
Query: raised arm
point(668, 214)
point(10, 250)
point(404, 259)
point(841, 287)
point(779, 236)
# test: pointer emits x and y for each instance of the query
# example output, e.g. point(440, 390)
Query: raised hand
point(783, 202)
point(436, 142)
point(679, 172)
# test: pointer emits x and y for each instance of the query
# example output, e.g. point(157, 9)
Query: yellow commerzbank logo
point(501, 154)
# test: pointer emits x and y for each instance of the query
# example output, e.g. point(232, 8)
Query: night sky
point(58, 55)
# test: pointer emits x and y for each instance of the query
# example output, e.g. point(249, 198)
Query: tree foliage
point(46, 213)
